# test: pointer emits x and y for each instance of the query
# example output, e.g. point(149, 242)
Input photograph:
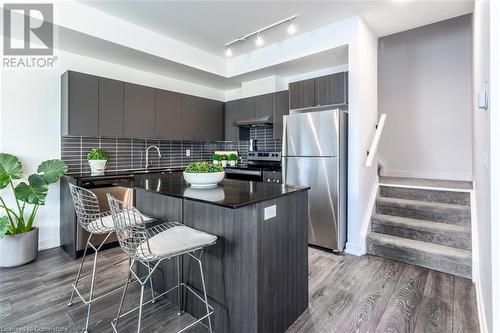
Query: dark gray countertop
point(230, 193)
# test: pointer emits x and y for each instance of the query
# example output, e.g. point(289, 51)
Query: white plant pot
point(97, 166)
point(203, 180)
point(232, 163)
point(224, 163)
point(20, 249)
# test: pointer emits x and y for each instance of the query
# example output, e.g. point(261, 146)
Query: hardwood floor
point(346, 294)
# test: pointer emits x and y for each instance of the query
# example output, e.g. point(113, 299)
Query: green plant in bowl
point(203, 174)
point(216, 158)
point(97, 154)
point(97, 159)
point(233, 158)
point(203, 167)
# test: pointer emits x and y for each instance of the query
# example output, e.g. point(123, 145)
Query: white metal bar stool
point(95, 222)
point(153, 245)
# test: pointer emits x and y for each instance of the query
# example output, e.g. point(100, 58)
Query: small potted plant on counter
point(203, 174)
point(97, 159)
point(224, 161)
point(233, 159)
point(18, 236)
point(216, 158)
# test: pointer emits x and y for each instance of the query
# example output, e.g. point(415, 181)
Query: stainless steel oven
point(261, 166)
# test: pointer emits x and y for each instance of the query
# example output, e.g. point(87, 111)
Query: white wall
point(362, 121)
point(481, 167)
point(30, 117)
point(425, 87)
point(494, 111)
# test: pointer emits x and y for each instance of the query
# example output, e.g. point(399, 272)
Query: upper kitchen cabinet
point(79, 104)
point(168, 124)
point(264, 105)
point(302, 94)
point(202, 119)
point(233, 111)
point(331, 89)
point(321, 91)
point(139, 111)
point(110, 108)
point(281, 108)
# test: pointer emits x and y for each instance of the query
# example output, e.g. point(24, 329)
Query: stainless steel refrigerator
point(315, 155)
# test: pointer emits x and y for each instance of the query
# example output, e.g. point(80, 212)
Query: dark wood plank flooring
point(346, 294)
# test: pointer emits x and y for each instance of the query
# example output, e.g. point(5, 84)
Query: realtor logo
point(28, 29)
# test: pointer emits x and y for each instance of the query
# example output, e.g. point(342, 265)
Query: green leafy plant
point(203, 167)
point(97, 154)
point(232, 157)
point(18, 220)
point(216, 157)
point(224, 157)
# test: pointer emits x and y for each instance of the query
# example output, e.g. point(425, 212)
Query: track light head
point(229, 52)
point(259, 41)
point(291, 29)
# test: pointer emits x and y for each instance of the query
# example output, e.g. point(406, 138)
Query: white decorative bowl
point(97, 165)
point(202, 180)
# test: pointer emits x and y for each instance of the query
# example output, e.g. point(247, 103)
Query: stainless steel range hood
point(262, 121)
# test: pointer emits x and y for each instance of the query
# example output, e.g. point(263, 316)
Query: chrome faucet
point(147, 154)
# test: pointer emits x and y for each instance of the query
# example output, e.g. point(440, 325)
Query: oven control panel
point(264, 156)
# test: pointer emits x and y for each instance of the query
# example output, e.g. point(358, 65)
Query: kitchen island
point(257, 272)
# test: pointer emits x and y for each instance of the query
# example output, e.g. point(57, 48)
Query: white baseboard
point(426, 174)
point(354, 249)
point(50, 243)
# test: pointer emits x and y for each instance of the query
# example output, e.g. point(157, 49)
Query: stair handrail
point(376, 139)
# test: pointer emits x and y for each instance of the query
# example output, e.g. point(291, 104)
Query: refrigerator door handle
point(284, 138)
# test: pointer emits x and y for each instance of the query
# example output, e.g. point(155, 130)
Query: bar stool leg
point(179, 290)
point(92, 283)
point(140, 307)
point(205, 293)
point(151, 283)
point(79, 272)
point(129, 278)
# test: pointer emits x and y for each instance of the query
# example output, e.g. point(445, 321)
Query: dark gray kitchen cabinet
point(79, 104)
point(302, 94)
point(330, 89)
point(202, 119)
point(264, 105)
point(168, 124)
point(110, 108)
point(320, 91)
point(139, 111)
point(281, 108)
point(232, 112)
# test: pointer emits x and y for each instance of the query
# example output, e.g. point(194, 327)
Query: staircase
point(424, 227)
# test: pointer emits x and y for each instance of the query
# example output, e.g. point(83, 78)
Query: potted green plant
point(97, 159)
point(203, 174)
point(18, 236)
point(216, 158)
point(223, 161)
point(233, 158)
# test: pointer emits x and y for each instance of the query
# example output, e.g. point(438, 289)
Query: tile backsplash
point(126, 154)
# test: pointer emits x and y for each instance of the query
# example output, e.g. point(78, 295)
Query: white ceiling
point(208, 25)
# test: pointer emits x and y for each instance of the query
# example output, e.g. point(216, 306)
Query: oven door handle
point(244, 172)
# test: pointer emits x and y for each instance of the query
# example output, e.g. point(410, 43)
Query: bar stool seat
point(104, 223)
point(172, 238)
